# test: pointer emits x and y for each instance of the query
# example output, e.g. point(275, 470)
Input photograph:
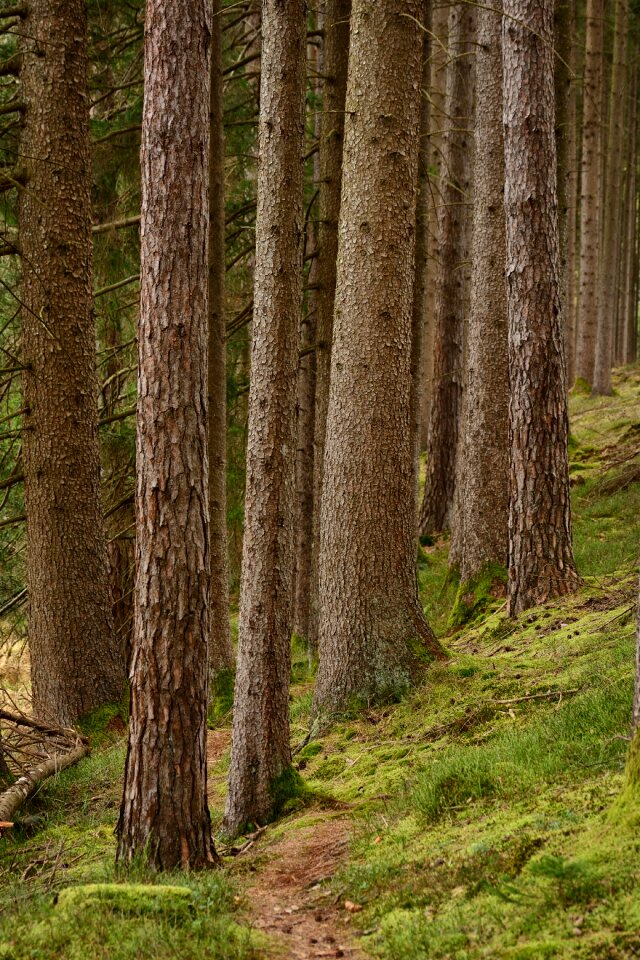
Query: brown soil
point(289, 895)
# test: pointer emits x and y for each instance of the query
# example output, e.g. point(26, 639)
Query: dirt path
point(290, 896)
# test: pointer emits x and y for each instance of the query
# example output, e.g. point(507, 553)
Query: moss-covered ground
point(485, 808)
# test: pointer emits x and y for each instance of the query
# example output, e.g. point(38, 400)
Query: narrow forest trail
point(286, 880)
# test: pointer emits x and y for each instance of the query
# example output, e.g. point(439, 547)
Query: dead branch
point(25, 785)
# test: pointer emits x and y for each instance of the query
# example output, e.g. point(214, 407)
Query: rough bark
point(221, 657)
point(437, 83)
point(335, 60)
point(590, 193)
point(485, 478)
point(76, 663)
point(630, 306)
point(306, 392)
point(541, 561)
point(260, 751)
point(452, 278)
point(613, 207)
point(572, 207)
point(564, 28)
point(164, 816)
point(420, 316)
point(371, 625)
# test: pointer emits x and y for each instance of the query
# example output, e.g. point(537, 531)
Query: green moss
point(625, 811)
point(106, 723)
point(475, 597)
point(128, 899)
point(289, 792)
point(221, 702)
point(581, 386)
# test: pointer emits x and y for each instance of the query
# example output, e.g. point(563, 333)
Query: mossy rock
point(130, 899)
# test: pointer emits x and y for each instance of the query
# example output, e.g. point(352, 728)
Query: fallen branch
point(22, 720)
point(537, 696)
point(25, 785)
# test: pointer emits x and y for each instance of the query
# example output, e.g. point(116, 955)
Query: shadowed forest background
point(319, 479)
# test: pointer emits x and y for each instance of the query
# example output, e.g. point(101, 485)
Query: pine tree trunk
point(221, 659)
point(335, 60)
point(437, 84)
point(485, 478)
point(452, 278)
point(306, 392)
point(590, 193)
point(76, 662)
point(629, 299)
point(613, 207)
point(564, 29)
point(420, 317)
point(541, 561)
point(260, 752)
point(372, 629)
point(164, 815)
point(572, 208)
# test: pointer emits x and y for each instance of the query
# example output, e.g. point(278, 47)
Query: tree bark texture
point(420, 317)
point(260, 752)
point(76, 662)
point(437, 121)
point(541, 561)
point(630, 306)
point(613, 207)
point(485, 473)
point(452, 277)
point(564, 29)
point(164, 815)
point(335, 60)
point(221, 658)
point(307, 389)
point(590, 193)
point(370, 616)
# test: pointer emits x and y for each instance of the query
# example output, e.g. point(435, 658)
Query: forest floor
point(478, 818)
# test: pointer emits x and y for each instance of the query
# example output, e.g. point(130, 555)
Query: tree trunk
point(306, 391)
point(335, 59)
point(452, 278)
point(260, 752)
point(613, 207)
point(76, 663)
point(420, 316)
point(564, 29)
point(541, 561)
point(629, 309)
point(164, 815)
point(437, 82)
point(221, 659)
point(485, 478)
point(590, 194)
point(372, 629)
